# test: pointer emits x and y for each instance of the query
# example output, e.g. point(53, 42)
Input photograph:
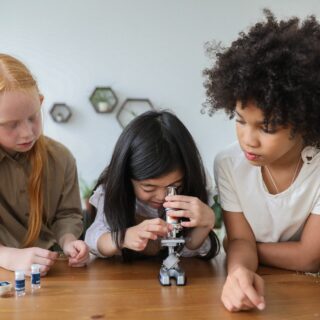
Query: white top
point(101, 226)
point(272, 218)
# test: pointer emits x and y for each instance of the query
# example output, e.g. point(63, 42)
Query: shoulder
point(231, 155)
point(232, 164)
point(58, 152)
point(98, 195)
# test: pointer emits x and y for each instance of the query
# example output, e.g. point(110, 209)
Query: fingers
point(44, 258)
point(157, 226)
point(181, 198)
point(78, 261)
point(179, 214)
point(199, 216)
point(177, 205)
point(182, 202)
point(250, 291)
point(82, 249)
point(193, 206)
point(156, 230)
point(243, 291)
point(140, 244)
point(147, 235)
point(192, 222)
point(230, 306)
point(70, 249)
point(46, 253)
point(44, 270)
point(189, 224)
point(77, 264)
point(259, 285)
point(73, 252)
point(44, 261)
point(78, 253)
point(238, 299)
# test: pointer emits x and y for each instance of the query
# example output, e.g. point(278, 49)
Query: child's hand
point(22, 259)
point(78, 253)
point(137, 237)
point(243, 290)
point(199, 214)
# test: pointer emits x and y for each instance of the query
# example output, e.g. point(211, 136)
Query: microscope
point(170, 266)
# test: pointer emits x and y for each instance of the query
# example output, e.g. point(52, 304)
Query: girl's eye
point(268, 130)
point(34, 117)
point(147, 190)
point(240, 121)
point(11, 125)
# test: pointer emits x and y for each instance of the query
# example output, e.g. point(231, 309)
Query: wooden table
point(109, 289)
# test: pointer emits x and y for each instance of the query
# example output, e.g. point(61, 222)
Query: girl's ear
point(41, 97)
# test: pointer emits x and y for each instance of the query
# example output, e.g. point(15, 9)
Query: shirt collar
point(19, 157)
point(2, 154)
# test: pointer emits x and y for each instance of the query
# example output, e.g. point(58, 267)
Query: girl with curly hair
point(268, 182)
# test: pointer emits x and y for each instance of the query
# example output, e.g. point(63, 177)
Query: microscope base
point(165, 276)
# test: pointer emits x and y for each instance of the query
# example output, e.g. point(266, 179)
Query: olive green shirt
point(62, 206)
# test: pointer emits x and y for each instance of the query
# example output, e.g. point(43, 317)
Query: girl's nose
point(249, 138)
point(25, 129)
point(161, 194)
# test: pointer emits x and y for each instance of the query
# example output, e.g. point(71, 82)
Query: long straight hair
point(152, 145)
point(14, 76)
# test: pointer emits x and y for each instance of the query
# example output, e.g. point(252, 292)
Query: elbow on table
point(311, 264)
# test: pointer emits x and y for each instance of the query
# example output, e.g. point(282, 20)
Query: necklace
point(293, 177)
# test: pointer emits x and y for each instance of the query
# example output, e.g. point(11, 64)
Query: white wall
point(141, 48)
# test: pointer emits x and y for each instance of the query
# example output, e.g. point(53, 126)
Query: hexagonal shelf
point(132, 108)
point(103, 99)
point(60, 112)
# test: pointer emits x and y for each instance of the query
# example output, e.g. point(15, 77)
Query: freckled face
point(20, 120)
point(153, 191)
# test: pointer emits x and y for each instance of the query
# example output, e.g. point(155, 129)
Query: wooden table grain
point(110, 289)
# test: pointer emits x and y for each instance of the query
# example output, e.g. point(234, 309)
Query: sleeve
point(316, 207)
point(99, 225)
point(209, 188)
point(225, 185)
point(68, 215)
point(201, 251)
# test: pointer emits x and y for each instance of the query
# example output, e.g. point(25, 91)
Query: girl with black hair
point(268, 182)
point(153, 152)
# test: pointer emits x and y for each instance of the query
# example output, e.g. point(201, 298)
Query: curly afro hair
point(276, 65)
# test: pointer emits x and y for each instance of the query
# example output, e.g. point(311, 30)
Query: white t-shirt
point(101, 225)
point(273, 218)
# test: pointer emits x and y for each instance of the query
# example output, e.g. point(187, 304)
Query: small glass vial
point(20, 283)
point(171, 191)
point(35, 276)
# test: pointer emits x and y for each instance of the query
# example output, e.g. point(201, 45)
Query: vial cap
point(35, 268)
point(19, 275)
